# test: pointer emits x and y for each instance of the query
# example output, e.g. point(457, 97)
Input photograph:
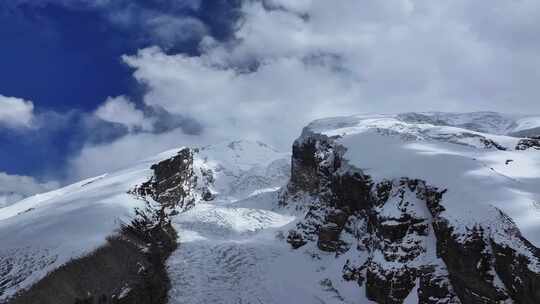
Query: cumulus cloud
point(294, 61)
point(16, 187)
point(249, 105)
point(16, 112)
point(97, 159)
point(122, 111)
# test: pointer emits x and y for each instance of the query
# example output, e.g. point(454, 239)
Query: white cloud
point(122, 111)
point(274, 100)
point(16, 112)
point(16, 187)
point(293, 61)
point(97, 159)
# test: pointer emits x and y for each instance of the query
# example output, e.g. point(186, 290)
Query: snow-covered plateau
point(407, 208)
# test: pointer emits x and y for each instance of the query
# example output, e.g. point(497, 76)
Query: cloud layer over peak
point(122, 111)
point(293, 61)
point(275, 65)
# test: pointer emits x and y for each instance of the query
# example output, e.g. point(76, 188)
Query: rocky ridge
point(397, 229)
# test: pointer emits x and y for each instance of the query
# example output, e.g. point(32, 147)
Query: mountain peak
point(483, 122)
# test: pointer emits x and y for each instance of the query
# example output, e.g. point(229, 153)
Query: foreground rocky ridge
point(130, 268)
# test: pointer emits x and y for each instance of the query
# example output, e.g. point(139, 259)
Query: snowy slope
point(232, 248)
point(42, 232)
point(242, 167)
point(477, 177)
point(45, 231)
point(232, 254)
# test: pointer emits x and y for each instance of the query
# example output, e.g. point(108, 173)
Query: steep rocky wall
point(173, 178)
point(404, 236)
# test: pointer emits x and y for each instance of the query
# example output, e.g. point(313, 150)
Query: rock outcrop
point(529, 143)
point(175, 181)
point(399, 232)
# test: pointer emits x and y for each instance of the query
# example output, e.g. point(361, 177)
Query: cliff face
point(398, 230)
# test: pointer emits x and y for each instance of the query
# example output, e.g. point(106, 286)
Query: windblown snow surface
point(232, 249)
point(477, 177)
point(43, 232)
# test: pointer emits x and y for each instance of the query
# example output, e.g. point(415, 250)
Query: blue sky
point(90, 86)
point(67, 60)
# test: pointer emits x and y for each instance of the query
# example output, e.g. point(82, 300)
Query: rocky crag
point(397, 230)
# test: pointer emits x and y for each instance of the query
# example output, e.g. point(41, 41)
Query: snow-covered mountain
point(416, 205)
point(408, 208)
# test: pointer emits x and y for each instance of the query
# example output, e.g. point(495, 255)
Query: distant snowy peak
point(485, 122)
point(240, 154)
point(238, 168)
point(477, 129)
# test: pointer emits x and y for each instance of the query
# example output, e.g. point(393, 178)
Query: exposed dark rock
point(389, 287)
point(514, 268)
point(329, 233)
point(172, 178)
point(338, 217)
point(490, 143)
point(469, 265)
point(304, 167)
point(351, 191)
point(329, 237)
point(528, 143)
point(296, 239)
point(435, 288)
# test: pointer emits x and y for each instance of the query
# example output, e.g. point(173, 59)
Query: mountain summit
point(407, 208)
